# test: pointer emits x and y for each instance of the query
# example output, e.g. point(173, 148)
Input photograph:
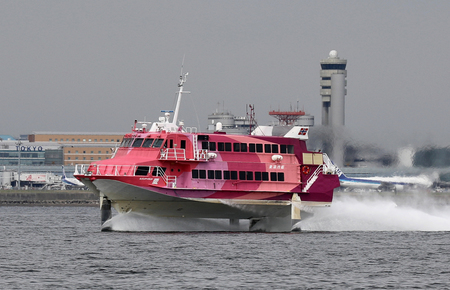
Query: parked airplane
point(71, 181)
point(397, 183)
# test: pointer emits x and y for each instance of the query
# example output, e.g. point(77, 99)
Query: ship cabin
point(212, 161)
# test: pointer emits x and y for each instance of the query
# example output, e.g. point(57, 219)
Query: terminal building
point(52, 148)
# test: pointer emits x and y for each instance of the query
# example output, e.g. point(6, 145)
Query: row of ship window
point(250, 147)
point(139, 142)
point(213, 146)
point(237, 175)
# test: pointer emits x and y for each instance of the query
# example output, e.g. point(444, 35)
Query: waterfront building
point(80, 147)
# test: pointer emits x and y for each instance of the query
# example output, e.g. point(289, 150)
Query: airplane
point(71, 181)
point(397, 183)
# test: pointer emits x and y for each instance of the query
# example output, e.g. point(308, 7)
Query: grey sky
point(99, 65)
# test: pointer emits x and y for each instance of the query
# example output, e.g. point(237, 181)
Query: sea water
point(375, 242)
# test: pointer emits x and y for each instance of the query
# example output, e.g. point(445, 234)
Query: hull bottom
point(149, 207)
point(135, 222)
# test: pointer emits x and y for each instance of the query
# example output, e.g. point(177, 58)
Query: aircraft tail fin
point(338, 170)
point(63, 172)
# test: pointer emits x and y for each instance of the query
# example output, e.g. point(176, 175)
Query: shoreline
point(13, 197)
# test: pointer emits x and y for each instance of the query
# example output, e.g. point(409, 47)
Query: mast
point(180, 92)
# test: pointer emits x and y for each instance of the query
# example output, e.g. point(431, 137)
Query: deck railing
point(125, 170)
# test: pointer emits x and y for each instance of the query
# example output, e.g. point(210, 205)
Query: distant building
point(78, 147)
point(229, 123)
point(51, 148)
point(35, 154)
point(333, 90)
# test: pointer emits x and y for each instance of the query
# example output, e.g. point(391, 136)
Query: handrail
point(313, 177)
point(173, 154)
point(329, 166)
point(124, 170)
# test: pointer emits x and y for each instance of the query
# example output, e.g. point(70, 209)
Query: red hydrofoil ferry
point(164, 169)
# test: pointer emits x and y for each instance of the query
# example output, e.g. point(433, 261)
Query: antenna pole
point(180, 92)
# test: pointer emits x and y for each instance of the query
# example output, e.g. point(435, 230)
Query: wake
point(375, 212)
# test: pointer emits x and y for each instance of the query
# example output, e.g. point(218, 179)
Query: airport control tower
point(333, 89)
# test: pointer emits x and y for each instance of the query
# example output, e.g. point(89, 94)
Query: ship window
point(233, 175)
point(226, 174)
point(158, 171)
point(124, 141)
point(194, 173)
point(148, 142)
point(210, 174)
point(258, 175)
point(209, 145)
point(202, 174)
point(291, 149)
point(218, 174)
point(236, 147)
point(243, 147)
point(259, 148)
point(220, 146)
point(280, 176)
point(228, 147)
point(252, 147)
point(142, 170)
point(203, 137)
point(158, 143)
point(183, 144)
point(265, 176)
point(138, 142)
point(241, 175)
point(249, 175)
point(273, 176)
point(274, 148)
point(267, 148)
point(128, 143)
point(283, 148)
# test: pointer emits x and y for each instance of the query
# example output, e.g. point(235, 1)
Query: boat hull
point(125, 198)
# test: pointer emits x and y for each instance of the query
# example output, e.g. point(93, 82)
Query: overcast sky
point(96, 66)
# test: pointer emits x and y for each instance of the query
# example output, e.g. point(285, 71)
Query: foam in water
point(135, 222)
point(414, 212)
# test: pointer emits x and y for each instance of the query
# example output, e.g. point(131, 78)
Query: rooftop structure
point(286, 118)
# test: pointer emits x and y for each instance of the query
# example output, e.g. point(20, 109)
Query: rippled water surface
point(62, 247)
